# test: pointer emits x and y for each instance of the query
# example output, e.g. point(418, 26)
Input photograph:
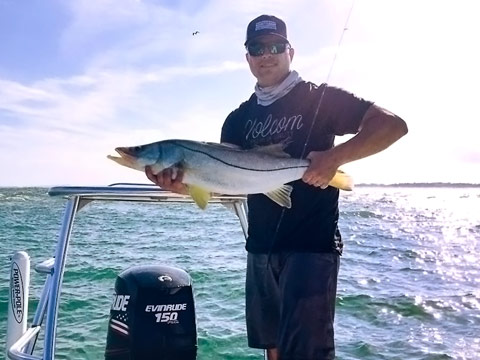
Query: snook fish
point(225, 169)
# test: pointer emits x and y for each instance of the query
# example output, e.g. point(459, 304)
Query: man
point(293, 254)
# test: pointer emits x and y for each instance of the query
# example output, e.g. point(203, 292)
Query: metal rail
point(77, 198)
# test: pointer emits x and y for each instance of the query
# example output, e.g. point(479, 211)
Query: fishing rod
point(320, 101)
point(345, 27)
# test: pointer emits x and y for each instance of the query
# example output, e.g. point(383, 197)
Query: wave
point(423, 184)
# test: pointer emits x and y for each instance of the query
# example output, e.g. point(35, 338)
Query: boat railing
point(22, 347)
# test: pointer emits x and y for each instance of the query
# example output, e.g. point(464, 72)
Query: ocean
point(409, 285)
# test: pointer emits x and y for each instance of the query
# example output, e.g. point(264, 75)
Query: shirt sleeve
point(232, 131)
point(228, 129)
point(341, 112)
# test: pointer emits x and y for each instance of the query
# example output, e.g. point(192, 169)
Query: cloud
point(141, 76)
point(57, 127)
point(89, 103)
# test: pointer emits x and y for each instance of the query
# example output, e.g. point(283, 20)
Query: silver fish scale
point(230, 171)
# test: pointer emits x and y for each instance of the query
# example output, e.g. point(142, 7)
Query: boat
point(180, 335)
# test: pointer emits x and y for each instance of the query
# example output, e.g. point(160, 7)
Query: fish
point(219, 168)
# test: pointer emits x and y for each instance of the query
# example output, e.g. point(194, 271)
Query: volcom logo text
point(271, 126)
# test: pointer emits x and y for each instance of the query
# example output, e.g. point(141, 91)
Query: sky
point(81, 77)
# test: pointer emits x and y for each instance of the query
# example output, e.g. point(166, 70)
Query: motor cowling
point(152, 315)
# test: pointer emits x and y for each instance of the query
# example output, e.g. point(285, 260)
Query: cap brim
point(265, 34)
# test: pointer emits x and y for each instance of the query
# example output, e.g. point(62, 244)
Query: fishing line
point(327, 80)
point(345, 27)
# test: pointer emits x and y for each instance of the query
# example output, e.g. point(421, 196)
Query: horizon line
point(401, 184)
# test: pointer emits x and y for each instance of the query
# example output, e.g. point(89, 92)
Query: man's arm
point(379, 129)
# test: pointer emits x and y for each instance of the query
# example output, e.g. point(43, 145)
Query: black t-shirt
point(311, 223)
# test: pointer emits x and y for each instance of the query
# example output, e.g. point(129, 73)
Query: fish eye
point(137, 148)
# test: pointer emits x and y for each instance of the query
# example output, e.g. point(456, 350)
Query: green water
point(409, 284)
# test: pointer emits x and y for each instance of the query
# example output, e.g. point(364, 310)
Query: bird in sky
point(195, 33)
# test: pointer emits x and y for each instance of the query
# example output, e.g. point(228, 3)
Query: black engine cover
point(152, 315)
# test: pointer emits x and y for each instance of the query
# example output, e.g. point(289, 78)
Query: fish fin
point(281, 196)
point(342, 181)
point(199, 195)
point(225, 145)
point(126, 162)
point(273, 149)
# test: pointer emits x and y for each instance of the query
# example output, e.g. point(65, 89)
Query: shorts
point(290, 303)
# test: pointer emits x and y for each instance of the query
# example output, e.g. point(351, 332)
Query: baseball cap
point(266, 25)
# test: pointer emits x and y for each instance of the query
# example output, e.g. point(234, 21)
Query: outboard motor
point(152, 315)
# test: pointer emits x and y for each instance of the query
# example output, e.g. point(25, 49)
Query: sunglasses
point(258, 49)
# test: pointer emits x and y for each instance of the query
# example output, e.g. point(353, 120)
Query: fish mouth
point(126, 157)
point(127, 153)
point(124, 152)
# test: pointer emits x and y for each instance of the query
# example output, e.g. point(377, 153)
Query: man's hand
point(169, 179)
point(379, 129)
point(322, 169)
